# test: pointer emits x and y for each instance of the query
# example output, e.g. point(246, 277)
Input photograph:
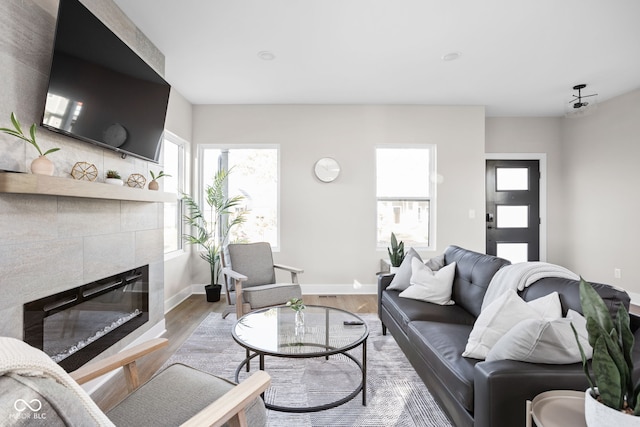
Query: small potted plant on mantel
point(612, 399)
point(113, 177)
point(42, 165)
point(153, 184)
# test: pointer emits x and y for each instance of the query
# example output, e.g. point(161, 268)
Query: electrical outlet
point(617, 273)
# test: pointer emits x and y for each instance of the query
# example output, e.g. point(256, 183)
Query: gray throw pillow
point(401, 280)
point(435, 263)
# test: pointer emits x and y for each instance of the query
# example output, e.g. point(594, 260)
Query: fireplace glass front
point(76, 325)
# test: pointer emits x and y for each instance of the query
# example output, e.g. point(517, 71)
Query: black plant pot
point(213, 292)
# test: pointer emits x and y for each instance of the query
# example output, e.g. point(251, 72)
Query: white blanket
point(18, 357)
point(519, 276)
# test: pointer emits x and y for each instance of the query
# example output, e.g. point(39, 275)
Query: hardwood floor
point(183, 319)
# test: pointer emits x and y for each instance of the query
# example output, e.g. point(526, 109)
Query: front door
point(513, 209)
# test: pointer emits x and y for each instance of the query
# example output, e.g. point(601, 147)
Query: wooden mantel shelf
point(22, 183)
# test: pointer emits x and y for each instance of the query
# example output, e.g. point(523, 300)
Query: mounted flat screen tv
point(100, 91)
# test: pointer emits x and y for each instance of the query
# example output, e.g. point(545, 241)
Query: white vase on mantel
point(597, 414)
point(42, 166)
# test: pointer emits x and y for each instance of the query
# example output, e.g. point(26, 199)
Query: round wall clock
point(327, 169)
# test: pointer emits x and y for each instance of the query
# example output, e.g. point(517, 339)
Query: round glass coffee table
point(325, 331)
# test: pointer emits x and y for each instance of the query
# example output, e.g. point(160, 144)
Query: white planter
point(393, 270)
point(114, 181)
point(597, 415)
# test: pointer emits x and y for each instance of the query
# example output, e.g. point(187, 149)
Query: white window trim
point(433, 179)
point(200, 179)
point(182, 144)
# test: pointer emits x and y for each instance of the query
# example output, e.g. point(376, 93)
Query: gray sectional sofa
point(433, 337)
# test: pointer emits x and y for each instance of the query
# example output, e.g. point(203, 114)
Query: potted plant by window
point(210, 230)
point(113, 177)
point(612, 398)
point(153, 185)
point(396, 253)
point(42, 165)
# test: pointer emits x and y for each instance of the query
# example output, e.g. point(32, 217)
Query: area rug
point(396, 396)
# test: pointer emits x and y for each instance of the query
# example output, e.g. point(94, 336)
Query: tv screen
point(101, 91)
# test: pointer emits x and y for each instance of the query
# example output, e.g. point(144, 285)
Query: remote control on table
point(353, 323)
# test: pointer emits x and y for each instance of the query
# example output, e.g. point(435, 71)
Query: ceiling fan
point(577, 101)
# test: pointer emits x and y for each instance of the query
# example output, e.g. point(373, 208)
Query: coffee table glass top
point(273, 331)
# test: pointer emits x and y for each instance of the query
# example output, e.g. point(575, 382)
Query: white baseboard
point(340, 289)
point(156, 331)
point(174, 301)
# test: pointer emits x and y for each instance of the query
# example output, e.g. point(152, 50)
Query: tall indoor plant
point(42, 165)
point(612, 362)
point(211, 233)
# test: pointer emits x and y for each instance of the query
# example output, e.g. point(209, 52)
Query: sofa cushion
point(405, 310)
point(429, 286)
point(473, 274)
point(402, 279)
point(544, 341)
point(502, 315)
point(442, 345)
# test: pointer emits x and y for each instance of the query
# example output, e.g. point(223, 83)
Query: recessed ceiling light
point(451, 56)
point(265, 55)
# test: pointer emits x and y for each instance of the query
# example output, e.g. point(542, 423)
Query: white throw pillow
point(430, 286)
point(544, 341)
point(401, 280)
point(500, 316)
point(548, 306)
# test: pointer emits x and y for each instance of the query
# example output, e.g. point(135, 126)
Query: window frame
point(181, 184)
point(431, 199)
point(199, 185)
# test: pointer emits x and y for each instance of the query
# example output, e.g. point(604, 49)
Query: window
point(405, 195)
point(254, 175)
point(173, 164)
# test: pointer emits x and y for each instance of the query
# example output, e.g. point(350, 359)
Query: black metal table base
point(362, 387)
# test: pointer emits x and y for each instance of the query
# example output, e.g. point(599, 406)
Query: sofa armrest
point(384, 280)
point(502, 387)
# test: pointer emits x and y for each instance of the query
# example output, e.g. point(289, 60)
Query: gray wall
point(48, 244)
point(329, 229)
point(592, 185)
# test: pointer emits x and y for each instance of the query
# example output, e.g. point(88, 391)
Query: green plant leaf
point(607, 375)
point(583, 356)
point(53, 150)
point(593, 307)
point(16, 123)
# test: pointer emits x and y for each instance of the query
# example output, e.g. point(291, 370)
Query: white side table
point(558, 408)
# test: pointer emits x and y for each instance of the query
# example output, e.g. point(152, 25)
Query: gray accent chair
point(250, 277)
point(178, 395)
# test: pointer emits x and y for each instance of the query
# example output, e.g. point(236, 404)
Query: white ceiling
point(518, 58)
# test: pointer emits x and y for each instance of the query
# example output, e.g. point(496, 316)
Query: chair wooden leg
point(239, 298)
point(228, 310)
point(240, 419)
point(131, 376)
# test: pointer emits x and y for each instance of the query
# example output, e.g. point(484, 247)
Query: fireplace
point(76, 325)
